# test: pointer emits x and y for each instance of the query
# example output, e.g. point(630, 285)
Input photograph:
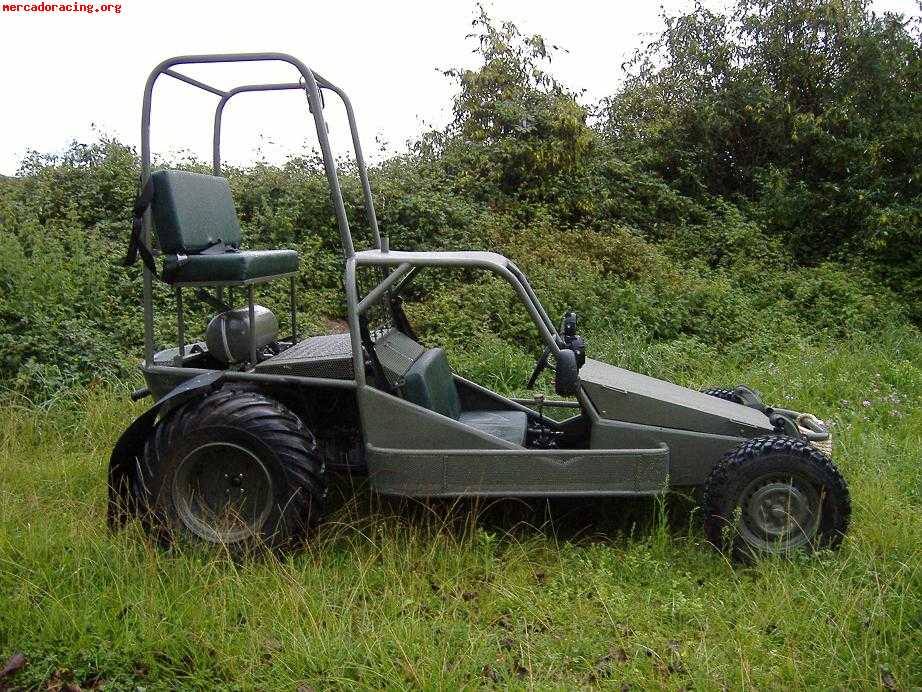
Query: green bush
point(805, 114)
point(740, 192)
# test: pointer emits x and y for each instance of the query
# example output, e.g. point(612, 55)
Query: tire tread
point(275, 425)
point(715, 502)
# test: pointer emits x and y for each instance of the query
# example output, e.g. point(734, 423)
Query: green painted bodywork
point(673, 438)
point(444, 457)
point(424, 430)
point(642, 435)
point(623, 395)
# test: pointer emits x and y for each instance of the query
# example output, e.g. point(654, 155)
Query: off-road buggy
point(246, 422)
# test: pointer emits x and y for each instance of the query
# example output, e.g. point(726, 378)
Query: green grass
point(445, 595)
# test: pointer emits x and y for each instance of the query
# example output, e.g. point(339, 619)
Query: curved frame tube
point(533, 297)
point(369, 203)
point(219, 113)
point(312, 90)
point(405, 263)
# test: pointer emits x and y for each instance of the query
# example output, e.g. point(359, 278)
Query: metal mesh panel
point(317, 356)
point(331, 356)
point(396, 352)
point(378, 316)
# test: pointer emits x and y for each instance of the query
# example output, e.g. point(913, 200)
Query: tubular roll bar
point(400, 265)
point(311, 85)
point(395, 266)
point(370, 215)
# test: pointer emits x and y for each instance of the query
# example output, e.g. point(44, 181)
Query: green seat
point(430, 384)
point(239, 266)
point(199, 234)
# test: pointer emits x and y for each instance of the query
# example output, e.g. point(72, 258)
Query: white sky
point(63, 74)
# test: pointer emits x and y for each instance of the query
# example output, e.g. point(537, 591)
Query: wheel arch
point(304, 401)
point(130, 444)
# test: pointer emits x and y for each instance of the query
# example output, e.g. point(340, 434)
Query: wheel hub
point(779, 513)
point(223, 492)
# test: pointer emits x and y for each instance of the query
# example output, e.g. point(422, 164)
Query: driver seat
point(430, 384)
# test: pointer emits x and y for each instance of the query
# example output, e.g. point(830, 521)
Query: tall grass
point(394, 594)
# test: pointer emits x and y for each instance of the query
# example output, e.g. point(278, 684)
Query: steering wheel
point(540, 366)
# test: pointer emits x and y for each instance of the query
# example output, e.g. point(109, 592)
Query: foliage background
point(755, 179)
point(744, 209)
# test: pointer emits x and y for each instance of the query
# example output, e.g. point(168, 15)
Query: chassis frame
point(403, 443)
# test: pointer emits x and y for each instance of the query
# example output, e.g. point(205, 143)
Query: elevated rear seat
point(430, 384)
point(199, 234)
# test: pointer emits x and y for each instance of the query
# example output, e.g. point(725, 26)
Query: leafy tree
point(517, 131)
point(806, 113)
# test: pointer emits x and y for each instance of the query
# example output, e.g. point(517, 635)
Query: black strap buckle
point(136, 245)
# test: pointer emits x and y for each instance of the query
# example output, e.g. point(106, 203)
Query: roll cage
point(395, 265)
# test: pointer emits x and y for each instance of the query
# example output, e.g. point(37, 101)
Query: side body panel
point(623, 395)
point(692, 454)
point(413, 451)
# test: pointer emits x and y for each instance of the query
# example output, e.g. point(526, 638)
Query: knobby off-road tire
point(725, 394)
point(236, 470)
point(775, 495)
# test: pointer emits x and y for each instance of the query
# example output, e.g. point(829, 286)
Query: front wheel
point(774, 495)
point(234, 469)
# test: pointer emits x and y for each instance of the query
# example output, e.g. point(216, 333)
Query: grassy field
point(440, 595)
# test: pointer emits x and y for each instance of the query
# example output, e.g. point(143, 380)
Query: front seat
point(430, 384)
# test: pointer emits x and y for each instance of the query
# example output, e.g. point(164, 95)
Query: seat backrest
point(430, 384)
point(192, 212)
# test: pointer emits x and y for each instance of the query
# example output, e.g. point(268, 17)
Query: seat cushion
point(192, 212)
point(230, 266)
point(507, 425)
point(430, 384)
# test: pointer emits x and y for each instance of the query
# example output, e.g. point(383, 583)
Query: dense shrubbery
point(756, 179)
point(804, 114)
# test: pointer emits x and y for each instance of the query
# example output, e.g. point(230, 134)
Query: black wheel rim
point(222, 492)
point(779, 513)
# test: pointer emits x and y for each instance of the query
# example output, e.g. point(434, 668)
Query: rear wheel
point(234, 469)
point(775, 495)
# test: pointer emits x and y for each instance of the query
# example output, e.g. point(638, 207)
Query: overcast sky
point(62, 75)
